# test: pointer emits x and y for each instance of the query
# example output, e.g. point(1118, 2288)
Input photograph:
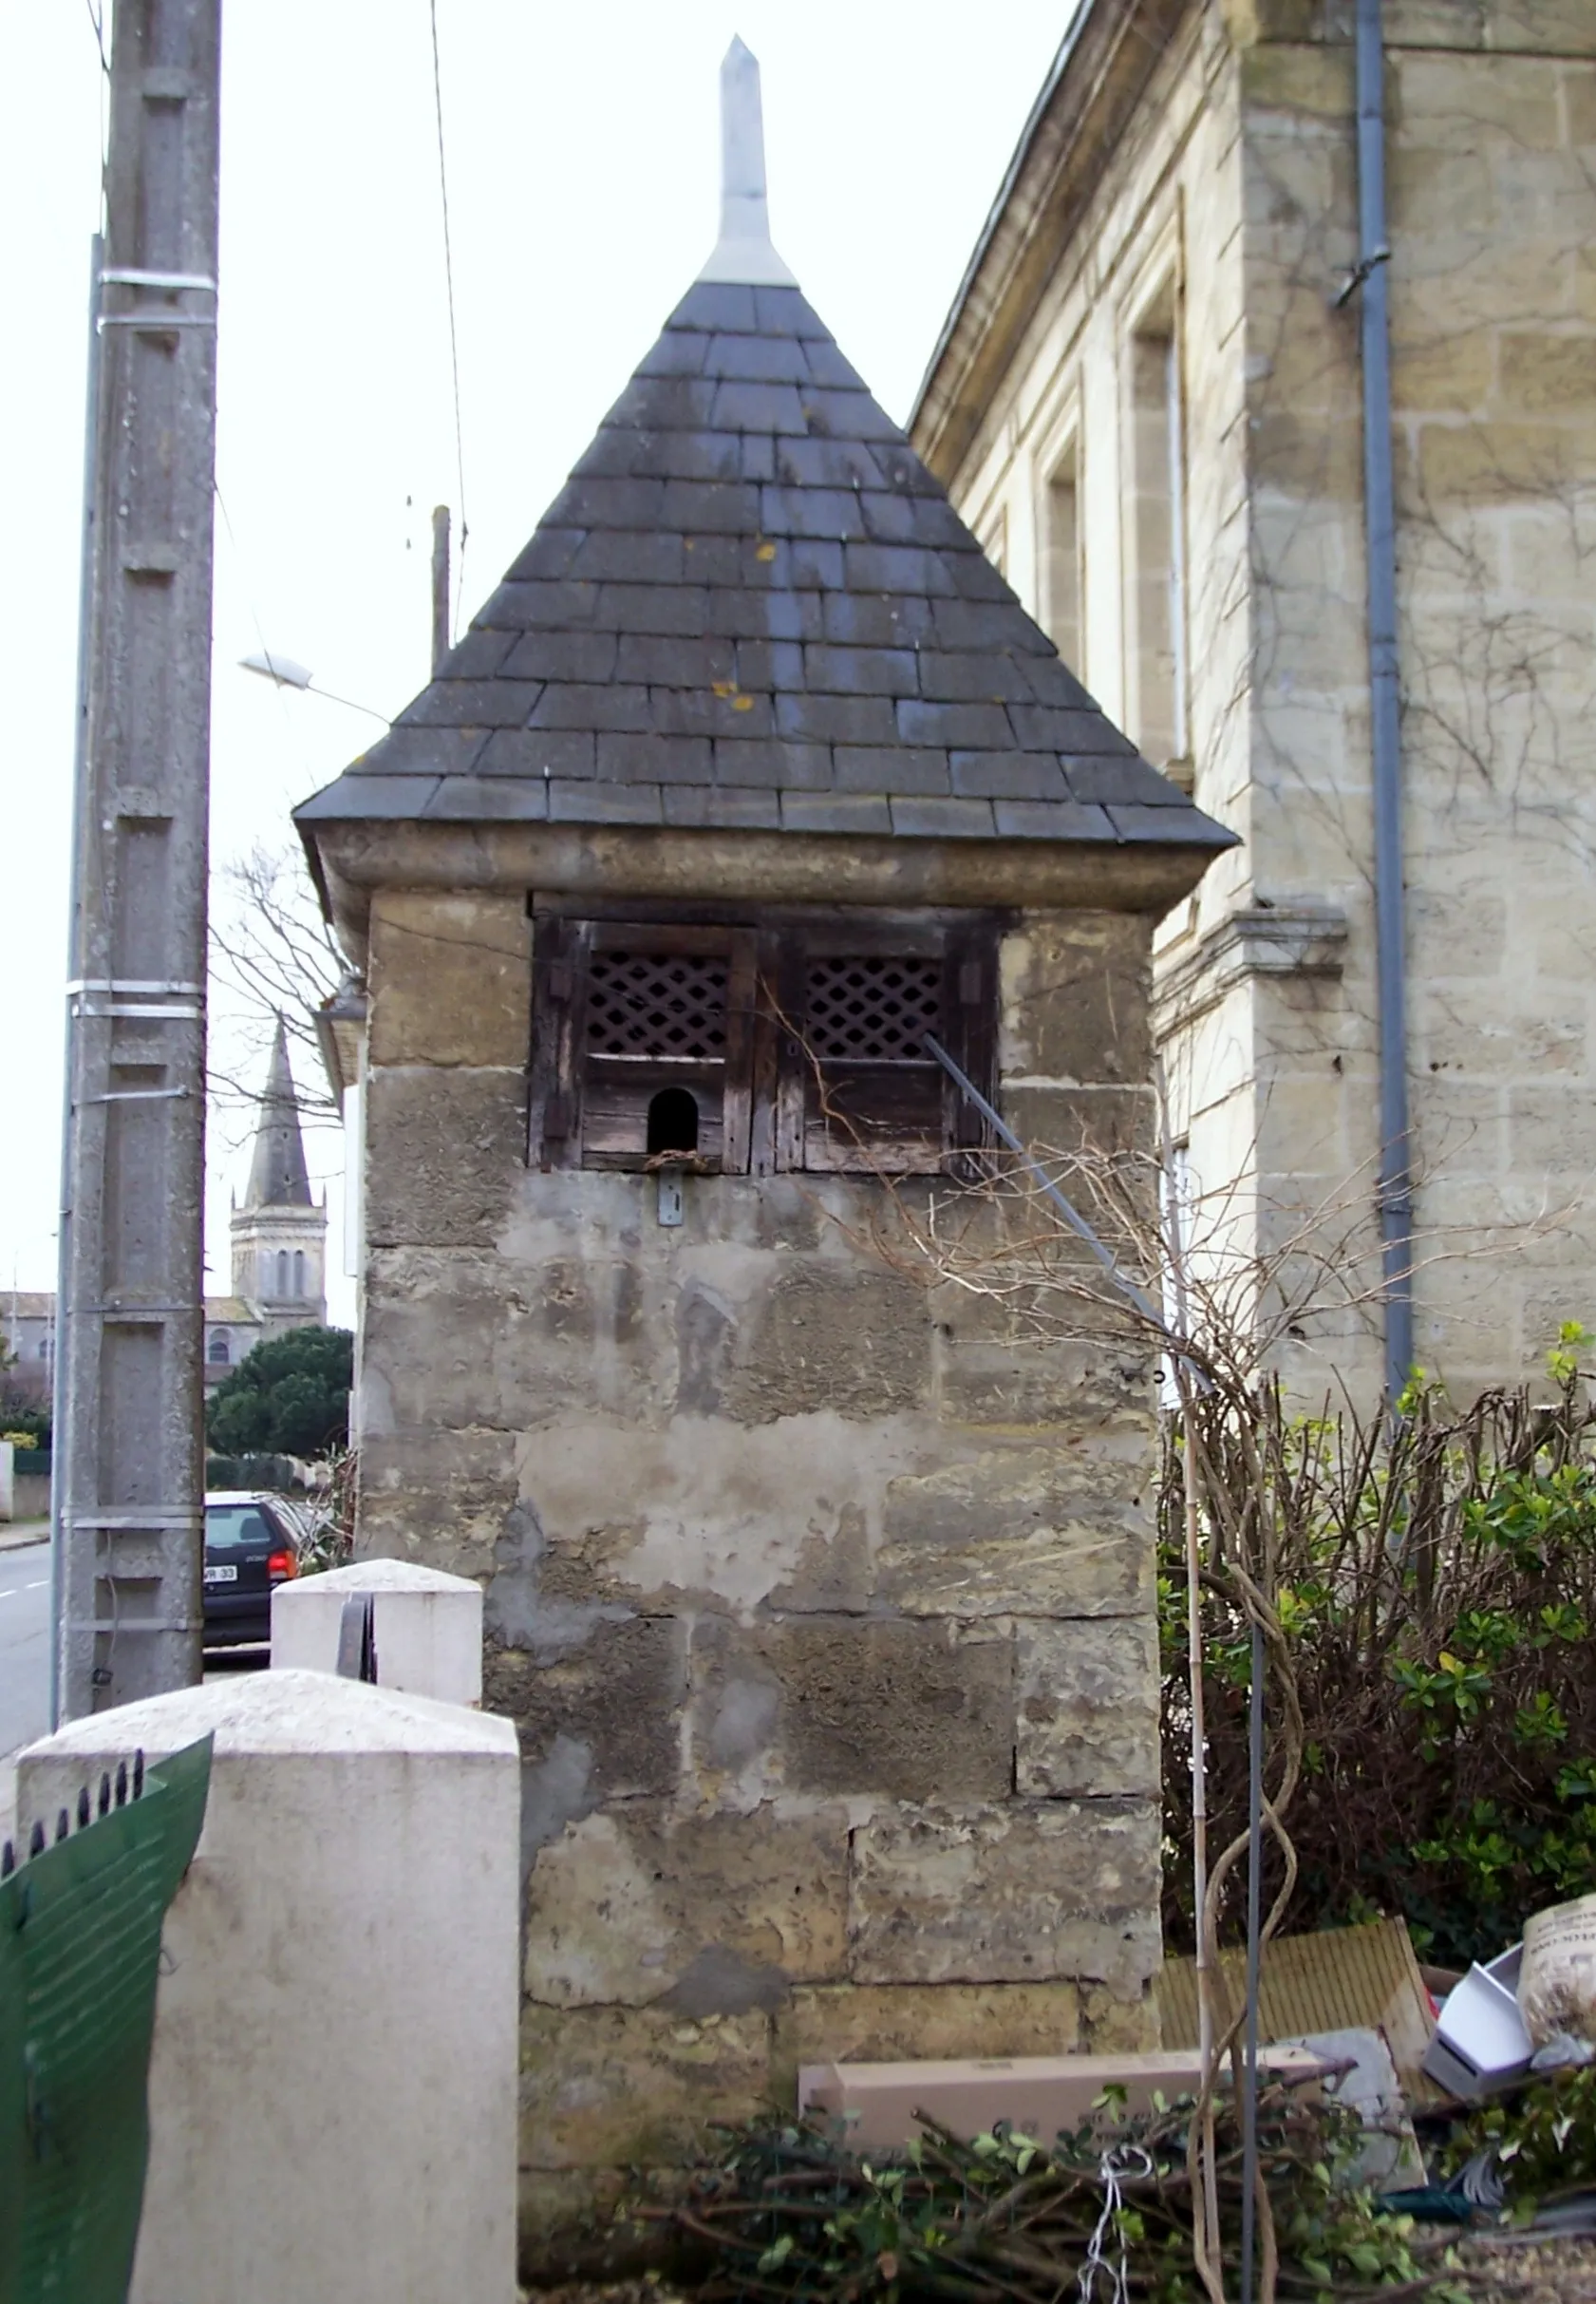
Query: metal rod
point(440, 587)
point(1255, 1910)
point(1395, 1184)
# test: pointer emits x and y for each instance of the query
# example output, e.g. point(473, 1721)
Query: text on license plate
point(221, 1576)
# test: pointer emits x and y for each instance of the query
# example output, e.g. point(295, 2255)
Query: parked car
point(252, 1546)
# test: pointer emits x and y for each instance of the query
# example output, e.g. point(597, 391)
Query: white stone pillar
point(332, 2085)
point(427, 1626)
point(7, 1491)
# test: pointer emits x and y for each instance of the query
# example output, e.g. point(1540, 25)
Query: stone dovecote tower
point(825, 1613)
point(279, 1231)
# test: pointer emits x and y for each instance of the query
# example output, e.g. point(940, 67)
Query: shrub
point(289, 1397)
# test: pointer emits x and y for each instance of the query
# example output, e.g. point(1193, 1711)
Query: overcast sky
point(582, 152)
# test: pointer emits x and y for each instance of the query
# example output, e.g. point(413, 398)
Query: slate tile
point(973, 578)
point(860, 672)
point(651, 608)
point(888, 518)
point(816, 462)
point(828, 366)
point(551, 551)
point(1052, 682)
point(759, 456)
point(769, 663)
point(974, 676)
point(658, 760)
point(574, 704)
point(538, 752)
point(899, 568)
point(712, 507)
point(837, 719)
point(972, 724)
point(602, 804)
point(892, 768)
point(758, 407)
point(848, 416)
point(1176, 828)
point(562, 655)
point(855, 812)
point(877, 619)
point(667, 404)
point(757, 359)
point(633, 503)
point(944, 819)
point(797, 563)
point(707, 456)
point(1119, 782)
point(938, 525)
point(474, 800)
point(901, 468)
point(679, 352)
point(712, 559)
point(829, 512)
point(627, 556)
point(1051, 819)
point(796, 767)
point(983, 624)
point(699, 712)
point(478, 653)
point(1009, 775)
point(612, 451)
point(716, 304)
point(412, 751)
point(473, 704)
point(787, 311)
point(522, 607)
point(763, 615)
point(723, 807)
point(674, 660)
point(355, 796)
point(1046, 728)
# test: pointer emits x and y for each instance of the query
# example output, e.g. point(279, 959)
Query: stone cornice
point(1074, 127)
point(1307, 941)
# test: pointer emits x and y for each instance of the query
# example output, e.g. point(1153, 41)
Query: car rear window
point(230, 1528)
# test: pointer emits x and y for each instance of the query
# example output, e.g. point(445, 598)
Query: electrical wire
point(454, 337)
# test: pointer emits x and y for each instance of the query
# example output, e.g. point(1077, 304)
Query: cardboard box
point(1482, 2042)
point(1039, 2095)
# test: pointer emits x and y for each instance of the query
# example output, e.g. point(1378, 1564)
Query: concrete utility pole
point(129, 1462)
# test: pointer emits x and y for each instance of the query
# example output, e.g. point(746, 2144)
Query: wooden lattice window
point(798, 1043)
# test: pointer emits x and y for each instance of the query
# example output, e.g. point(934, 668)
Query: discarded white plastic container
point(1481, 2039)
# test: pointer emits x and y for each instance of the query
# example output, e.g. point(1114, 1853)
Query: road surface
point(24, 1644)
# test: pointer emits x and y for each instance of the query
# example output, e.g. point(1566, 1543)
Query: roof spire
point(743, 251)
point(278, 1178)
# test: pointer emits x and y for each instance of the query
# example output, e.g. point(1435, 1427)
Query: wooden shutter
point(559, 984)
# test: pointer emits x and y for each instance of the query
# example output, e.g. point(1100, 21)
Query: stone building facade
point(1147, 402)
point(825, 1614)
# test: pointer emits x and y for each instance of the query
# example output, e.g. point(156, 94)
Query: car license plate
point(221, 1576)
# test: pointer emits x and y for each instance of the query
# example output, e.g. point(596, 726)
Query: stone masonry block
point(856, 1705)
point(1075, 998)
point(832, 1334)
point(451, 978)
point(706, 1914)
point(1088, 1707)
point(1017, 1532)
point(1022, 1894)
point(633, 2087)
point(442, 1501)
point(445, 1150)
point(900, 2022)
point(1106, 1121)
point(612, 1699)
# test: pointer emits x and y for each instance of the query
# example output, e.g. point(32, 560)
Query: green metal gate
point(80, 1946)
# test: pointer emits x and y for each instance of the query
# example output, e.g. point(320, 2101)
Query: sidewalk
point(23, 1532)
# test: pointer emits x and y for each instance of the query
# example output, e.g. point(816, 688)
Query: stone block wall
point(824, 1610)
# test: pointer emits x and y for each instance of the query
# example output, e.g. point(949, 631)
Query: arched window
point(219, 1351)
point(299, 1272)
point(282, 1272)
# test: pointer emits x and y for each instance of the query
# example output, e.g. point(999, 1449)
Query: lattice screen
point(657, 1004)
point(874, 1008)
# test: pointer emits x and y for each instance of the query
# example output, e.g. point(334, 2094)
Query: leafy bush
point(1436, 1594)
point(289, 1397)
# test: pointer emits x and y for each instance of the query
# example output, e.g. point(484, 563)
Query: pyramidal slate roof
point(752, 607)
point(278, 1178)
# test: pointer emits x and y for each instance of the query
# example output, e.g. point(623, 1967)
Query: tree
point(289, 1397)
point(272, 958)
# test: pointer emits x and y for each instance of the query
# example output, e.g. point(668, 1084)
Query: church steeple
point(278, 1178)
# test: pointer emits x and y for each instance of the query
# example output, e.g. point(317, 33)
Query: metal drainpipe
point(1380, 533)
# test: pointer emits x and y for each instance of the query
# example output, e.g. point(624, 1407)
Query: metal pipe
point(1380, 542)
point(1254, 1913)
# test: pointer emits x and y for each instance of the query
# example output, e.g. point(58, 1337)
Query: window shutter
point(970, 1018)
point(559, 984)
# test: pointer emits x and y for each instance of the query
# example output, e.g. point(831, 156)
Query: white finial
point(743, 251)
